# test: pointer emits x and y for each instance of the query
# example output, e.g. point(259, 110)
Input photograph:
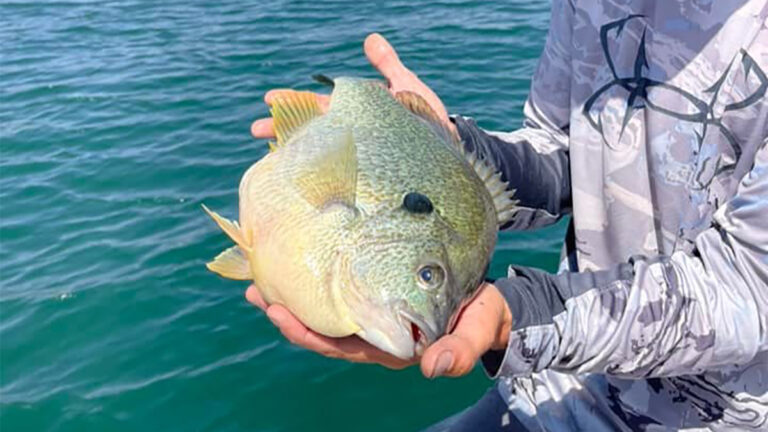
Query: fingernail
point(442, 364)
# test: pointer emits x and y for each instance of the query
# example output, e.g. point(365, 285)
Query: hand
point(384, 58)
point(484, 324)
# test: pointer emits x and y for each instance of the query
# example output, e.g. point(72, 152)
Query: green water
point(117, 119)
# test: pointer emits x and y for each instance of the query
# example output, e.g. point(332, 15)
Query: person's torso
point(668, 107)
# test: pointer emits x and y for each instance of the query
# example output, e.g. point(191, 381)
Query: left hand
point(385, 59)
point(484, 324)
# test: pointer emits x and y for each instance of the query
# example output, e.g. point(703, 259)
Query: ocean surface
point(117, 120)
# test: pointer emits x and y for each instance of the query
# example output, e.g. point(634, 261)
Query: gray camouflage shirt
point(647, 121)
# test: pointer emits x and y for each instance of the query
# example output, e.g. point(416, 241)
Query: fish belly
point(292, 251)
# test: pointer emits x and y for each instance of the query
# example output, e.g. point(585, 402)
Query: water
point(117, 119)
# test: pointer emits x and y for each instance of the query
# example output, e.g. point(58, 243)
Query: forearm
point(648, 319)
point(661, 316)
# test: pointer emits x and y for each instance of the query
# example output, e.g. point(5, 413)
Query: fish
point(369, 218)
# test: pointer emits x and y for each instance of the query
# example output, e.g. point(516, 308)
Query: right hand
point(484, 324)
point(384, 58)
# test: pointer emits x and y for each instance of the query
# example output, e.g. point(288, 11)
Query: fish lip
point(407, 352)
point(427, 335)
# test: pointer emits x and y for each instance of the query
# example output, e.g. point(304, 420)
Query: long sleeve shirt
point(648, 123)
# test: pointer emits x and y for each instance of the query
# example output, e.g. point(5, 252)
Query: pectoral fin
point(332, 176)
point(231, 264)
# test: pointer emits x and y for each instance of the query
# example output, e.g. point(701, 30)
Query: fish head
point(400, 294)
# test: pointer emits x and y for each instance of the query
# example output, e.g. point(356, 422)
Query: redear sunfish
point(369, 219)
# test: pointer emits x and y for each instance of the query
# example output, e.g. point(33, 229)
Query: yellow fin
point(290, 111)
point(231, 264)
point(332, 176)
point(417, 105)
point(232, 229)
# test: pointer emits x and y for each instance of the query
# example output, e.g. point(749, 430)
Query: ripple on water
point(119, 119)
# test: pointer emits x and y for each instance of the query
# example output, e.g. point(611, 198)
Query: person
point(647, 122)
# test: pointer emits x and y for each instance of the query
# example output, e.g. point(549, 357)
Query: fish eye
point(426, 275)
point(415, 202)
point(431, 276)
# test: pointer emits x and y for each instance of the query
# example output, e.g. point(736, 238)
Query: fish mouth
point(422, 333)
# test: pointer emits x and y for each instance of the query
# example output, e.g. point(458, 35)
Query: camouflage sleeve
point(663, 316)
point(534, 159)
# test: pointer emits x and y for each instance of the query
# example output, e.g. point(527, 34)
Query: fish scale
point(325, 229)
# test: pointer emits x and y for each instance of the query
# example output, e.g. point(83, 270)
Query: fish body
point(368, 219)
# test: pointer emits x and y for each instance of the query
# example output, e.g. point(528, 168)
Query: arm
point(534, 159)
point(664, 316)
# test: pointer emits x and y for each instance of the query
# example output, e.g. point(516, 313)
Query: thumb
point(452, 355)
point(384, 58)
point(477, 330)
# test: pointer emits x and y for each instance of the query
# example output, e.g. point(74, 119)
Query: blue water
point(117, 119)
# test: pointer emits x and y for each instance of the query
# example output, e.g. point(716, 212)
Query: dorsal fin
point(324, 80)
point(290, 111)
point(332, 176)
point(503, 198)
point(417, 105)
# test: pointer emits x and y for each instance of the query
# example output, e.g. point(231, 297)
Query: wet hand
point(384, 58)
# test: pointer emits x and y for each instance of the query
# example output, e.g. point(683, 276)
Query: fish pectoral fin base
point(231, 264)
point(332, 176)
point(420, 107)
point(231, 228)
point(290, 111)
